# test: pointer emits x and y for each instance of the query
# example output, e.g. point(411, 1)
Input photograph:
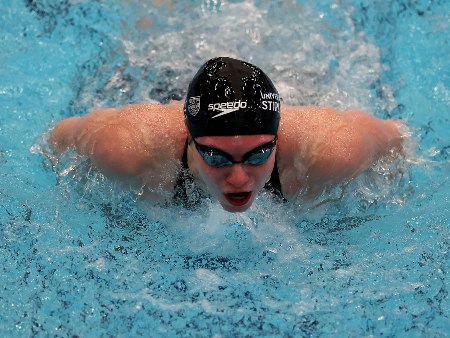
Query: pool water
point(82, 256)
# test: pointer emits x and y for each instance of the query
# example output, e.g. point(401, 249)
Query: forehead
point(239, 144)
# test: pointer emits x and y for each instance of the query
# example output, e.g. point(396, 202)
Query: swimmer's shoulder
point(150, 112)
point(295, 119)
point(144, 139)
point(321, 146)
point(305, 135)
point(162, 131)
point(143, 142)
point(293, 148)
point(160, 127)
point(300, 126)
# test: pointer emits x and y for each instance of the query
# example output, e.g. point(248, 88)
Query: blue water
point(81, 256)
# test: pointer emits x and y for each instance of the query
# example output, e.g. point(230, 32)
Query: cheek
point(268, 168)
point(261, 175)
point(210, 176)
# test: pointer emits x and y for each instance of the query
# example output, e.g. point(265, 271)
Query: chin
point(232, 208)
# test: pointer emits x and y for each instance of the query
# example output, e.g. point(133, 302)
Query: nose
point(237, 176)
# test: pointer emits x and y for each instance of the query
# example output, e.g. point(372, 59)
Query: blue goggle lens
point(217, 158)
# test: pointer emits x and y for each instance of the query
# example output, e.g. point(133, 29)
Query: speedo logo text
point(227, 107)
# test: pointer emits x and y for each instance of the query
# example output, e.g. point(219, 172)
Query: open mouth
point(238, 198)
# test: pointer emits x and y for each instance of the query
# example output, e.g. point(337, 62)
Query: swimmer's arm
point(105, 137)
point(124, 142)
point(353, 146)
point(335, 147)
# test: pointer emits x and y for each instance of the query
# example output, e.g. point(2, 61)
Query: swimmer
point(232, 138)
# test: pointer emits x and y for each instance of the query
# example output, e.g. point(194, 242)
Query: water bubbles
point(442, 93)
point(310, 63)
point(211, 6)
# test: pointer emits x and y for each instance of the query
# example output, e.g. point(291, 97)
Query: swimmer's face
point(236, 185)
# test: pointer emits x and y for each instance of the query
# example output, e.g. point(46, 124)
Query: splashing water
point(82, 255)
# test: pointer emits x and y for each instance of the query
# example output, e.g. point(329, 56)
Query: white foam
point(311, 61)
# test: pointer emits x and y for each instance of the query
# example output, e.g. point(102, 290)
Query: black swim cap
point(231, 97)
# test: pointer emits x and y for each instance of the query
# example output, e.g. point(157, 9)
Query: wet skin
point(235, 186)
point(143, 144)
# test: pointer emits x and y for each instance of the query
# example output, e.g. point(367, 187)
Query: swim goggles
point(217, 158)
